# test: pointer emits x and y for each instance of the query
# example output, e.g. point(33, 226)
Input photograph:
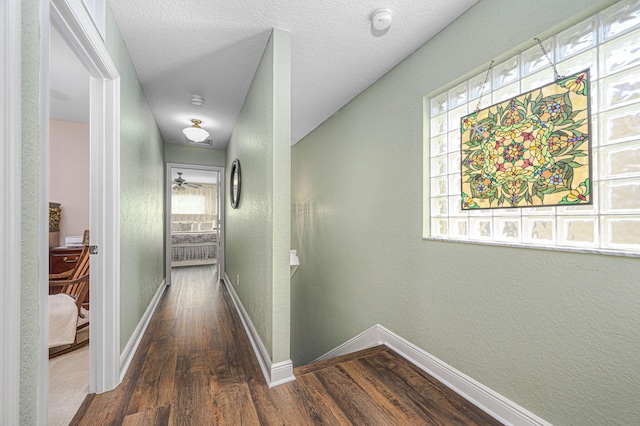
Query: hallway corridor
point(195, 366)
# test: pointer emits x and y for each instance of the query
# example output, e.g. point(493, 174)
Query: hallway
point(195, 366)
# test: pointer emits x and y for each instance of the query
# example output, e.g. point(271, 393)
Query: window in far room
point(188, 203)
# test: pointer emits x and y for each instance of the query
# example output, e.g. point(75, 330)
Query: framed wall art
point(532, 150)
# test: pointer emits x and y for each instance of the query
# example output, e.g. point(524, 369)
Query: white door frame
point(10, 209)
point(220, 225)
point(76, 27)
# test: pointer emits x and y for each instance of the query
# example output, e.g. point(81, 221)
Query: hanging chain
point(486, 78)
point(546, 55)
point(476, 126)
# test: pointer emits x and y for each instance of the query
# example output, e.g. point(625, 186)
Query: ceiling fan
point(180, 184)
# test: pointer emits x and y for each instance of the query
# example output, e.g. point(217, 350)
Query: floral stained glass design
point(532, 150)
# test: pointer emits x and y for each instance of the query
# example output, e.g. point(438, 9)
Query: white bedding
point(193, 248)
point(63, 320)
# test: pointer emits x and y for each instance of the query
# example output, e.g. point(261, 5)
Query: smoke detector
point(381, 19)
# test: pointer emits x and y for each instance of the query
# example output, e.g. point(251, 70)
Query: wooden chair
point(74, 283)
point(81, 265)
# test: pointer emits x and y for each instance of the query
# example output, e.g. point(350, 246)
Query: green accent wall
point(142, 191)
point(555, 332)
point(196, 155)
point(33, 165)
point(258, 232)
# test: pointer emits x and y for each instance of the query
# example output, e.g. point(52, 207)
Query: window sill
point(568, 249)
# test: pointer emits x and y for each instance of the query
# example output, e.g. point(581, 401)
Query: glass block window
point(609, 45)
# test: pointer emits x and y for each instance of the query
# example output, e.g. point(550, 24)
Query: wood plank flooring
point(195, 366)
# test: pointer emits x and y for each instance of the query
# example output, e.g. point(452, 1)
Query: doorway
point(194, 230)
point(69, 202)
point(77, 29)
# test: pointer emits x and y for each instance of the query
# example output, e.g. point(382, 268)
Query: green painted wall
point(186, 154)
point(258, 232)
point(281, 196)
point(142, 191)
point(555, 332)
point(33, 165)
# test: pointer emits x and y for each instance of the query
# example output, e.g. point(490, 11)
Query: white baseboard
point(496, 405)
point(133, 343)
point(274, 374)
point(365, 340)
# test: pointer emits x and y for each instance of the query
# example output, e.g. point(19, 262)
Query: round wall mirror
point(236, 179)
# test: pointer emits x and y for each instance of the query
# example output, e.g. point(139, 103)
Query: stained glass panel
point(531, 150)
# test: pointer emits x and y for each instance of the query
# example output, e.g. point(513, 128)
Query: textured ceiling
point(212, 48)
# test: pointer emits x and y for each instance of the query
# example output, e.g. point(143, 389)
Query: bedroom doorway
point(194, 218)
point(78, 30)
point(69, 196)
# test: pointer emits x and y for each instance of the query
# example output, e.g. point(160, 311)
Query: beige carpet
point(68, 385)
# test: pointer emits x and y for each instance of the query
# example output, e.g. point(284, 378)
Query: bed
point(193, 241)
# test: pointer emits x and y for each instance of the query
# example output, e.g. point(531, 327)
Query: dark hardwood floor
point(195, 366)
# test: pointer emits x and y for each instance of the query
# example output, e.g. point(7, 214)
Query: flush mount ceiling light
point(196, 133)
point(381, 19)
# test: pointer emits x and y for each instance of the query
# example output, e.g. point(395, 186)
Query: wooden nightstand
point(62, 259)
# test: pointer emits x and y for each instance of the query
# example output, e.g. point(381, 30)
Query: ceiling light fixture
point(381, 19)
point(196, 133)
